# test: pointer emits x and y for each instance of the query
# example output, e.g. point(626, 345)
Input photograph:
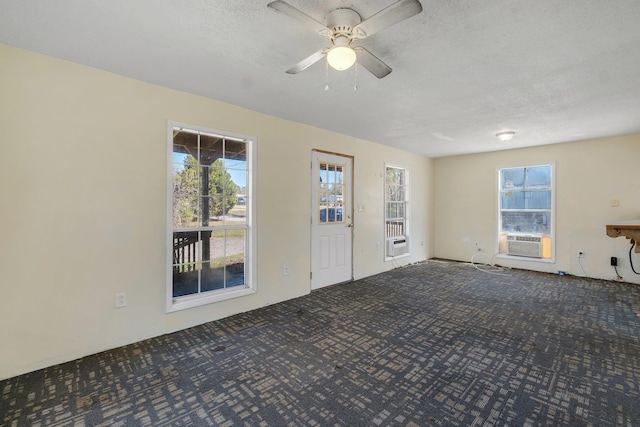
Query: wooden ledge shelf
point(628, 229)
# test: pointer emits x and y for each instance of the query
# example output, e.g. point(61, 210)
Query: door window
point(330, 193)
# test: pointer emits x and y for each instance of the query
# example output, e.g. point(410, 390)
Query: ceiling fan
point(342, 27)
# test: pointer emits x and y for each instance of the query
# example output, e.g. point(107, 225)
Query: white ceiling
point(551, 70)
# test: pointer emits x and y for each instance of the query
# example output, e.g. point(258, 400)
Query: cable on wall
point(633, 245)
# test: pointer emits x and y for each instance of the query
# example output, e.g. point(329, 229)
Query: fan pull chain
point(326, 75)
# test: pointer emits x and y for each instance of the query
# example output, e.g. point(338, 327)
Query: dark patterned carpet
point(433, 344)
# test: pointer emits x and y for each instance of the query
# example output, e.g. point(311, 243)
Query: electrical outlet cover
point(121, 300)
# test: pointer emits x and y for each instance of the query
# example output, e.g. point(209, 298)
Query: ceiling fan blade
point(398, 11)
point(290, 11)
point(307, 62)
point(369, 61)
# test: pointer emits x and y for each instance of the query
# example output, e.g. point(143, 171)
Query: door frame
point(349, 213)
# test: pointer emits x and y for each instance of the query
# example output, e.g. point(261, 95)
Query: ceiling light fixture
point(341, 56)
point(506, 135)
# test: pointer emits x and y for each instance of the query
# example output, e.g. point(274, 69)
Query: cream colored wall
point(83, 173)
point(589, 174)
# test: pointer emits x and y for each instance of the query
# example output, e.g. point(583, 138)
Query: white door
point(331, 219)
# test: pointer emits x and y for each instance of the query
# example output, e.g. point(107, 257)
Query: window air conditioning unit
point(524, 245)
point(397, 246)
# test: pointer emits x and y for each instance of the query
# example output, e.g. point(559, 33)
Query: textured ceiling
point(551, 70)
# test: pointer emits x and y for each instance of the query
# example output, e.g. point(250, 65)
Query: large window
point(526, 211)
point(210, 216)
point(396, 199)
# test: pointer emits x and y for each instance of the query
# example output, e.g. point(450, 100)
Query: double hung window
point(396, 199)
point(210, 218)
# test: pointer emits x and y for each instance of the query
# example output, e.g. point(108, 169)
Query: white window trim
point(407, 210)
point(551, 260)
point(191, 301)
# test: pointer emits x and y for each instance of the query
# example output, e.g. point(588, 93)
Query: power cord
point(581, 267)
point(495, 269)
point(633, 245)
point(619, 277)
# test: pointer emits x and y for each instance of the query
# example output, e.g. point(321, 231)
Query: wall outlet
point(121, 300)
point(378, 246)
point(580, 254)
point(614, 261)
point(285, 270)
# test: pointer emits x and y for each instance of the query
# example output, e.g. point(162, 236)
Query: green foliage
point(187, 192)
point(394, 184)
point(220, 183)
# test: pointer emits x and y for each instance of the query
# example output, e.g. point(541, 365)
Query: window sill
point(186, 302)
point(393, 258)
point(524, 258)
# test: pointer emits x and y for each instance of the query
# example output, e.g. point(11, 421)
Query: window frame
point(250, 286)
point(552, 216)
point(407, 210)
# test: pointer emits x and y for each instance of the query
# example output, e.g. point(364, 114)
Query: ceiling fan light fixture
point(341, 56)
point(506, 135)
